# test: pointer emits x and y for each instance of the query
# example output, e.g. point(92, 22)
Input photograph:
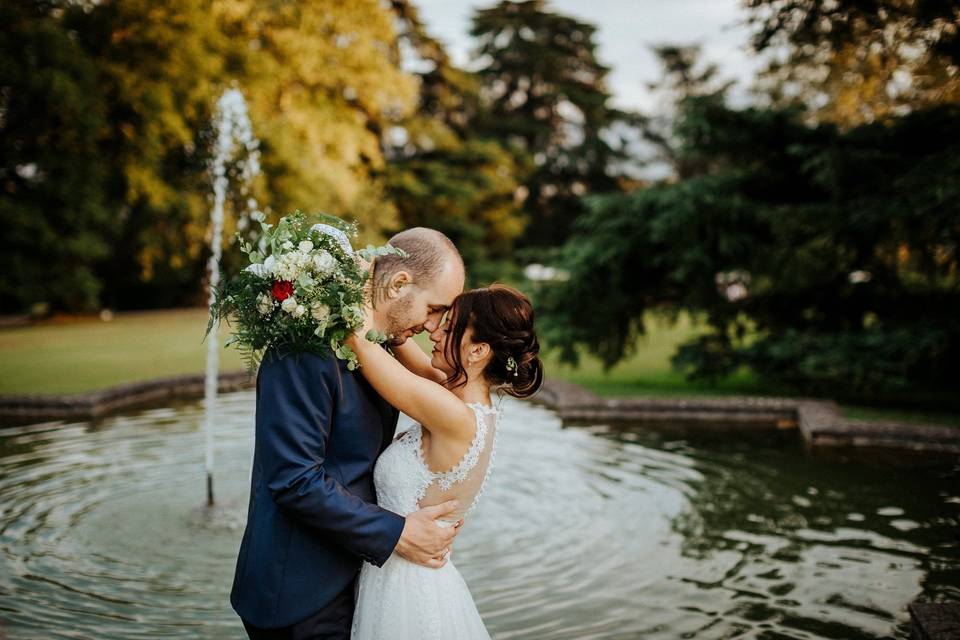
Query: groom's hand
point(423, 541)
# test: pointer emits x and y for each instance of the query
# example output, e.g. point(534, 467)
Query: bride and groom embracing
point(331, 487)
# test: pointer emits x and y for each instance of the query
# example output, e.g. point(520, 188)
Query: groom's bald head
point(412, 292)
point(430, 255)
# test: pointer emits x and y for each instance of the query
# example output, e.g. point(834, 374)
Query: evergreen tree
point(824, 260)
point(544, 91)
point(440, 174)
point(684, 77)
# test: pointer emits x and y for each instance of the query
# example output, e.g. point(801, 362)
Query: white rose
point(324, 263)
point(289, 305)
point(299, 311)
point(287, 267)
point(306, 246)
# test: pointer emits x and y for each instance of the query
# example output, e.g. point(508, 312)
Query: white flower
point(324, 263)
point(258, 216)
point(258, 270)
point(264, 303)
point(320, 313)
point(269, 264)
point(306, 246)
point(299, 311)
point(289, 305)
point(287, 245)
point(290, 265)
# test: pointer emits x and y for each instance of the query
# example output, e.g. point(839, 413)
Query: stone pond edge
point(819, 421)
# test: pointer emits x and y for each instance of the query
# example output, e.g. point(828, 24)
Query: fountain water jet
point(235, 143)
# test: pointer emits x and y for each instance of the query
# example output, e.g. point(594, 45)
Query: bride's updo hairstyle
point(502, 317)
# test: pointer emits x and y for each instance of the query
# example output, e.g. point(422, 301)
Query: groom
point(313, 517)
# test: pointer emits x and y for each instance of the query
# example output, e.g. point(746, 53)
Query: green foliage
point(853, 62)
point(824, 260)
point(323, 301)
point(51, 172)
point(323, 81)
point(440, 174)
point(465, 190)
point(684, 77)
point(545, 94)
point(108, 117)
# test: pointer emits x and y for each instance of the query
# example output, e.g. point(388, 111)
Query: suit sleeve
point(298, 393)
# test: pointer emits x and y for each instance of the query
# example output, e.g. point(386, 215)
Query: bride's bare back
point(465, 480)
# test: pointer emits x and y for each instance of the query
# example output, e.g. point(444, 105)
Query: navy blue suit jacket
point(312, 517)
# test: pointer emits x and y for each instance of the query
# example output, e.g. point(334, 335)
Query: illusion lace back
point(402, 600)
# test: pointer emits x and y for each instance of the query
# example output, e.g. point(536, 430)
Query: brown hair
point(502, 317)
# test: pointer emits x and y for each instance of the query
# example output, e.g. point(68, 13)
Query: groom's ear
point(398, 281)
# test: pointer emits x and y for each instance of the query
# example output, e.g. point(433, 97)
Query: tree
point(544, 91)
point(852, 62)
point(684, 77)
point(440, 174)
point(51, 174)
point(324, 84)
point(116, 101)
point(159, 66)
point(825, 260)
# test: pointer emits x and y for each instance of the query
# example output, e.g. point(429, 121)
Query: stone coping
point(26, 409)
point(934, 620)
point(818, 421)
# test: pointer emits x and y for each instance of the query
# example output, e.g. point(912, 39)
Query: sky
point(625, 31)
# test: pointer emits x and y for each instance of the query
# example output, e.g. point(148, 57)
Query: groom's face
point(421, 308)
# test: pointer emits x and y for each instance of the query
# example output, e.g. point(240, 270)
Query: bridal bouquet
point(302, 291)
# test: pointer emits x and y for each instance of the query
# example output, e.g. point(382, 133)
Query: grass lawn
point(72, 356)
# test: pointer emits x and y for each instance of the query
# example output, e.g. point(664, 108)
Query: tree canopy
point(544, 91)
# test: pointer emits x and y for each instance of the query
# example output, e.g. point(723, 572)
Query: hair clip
point(512, 366)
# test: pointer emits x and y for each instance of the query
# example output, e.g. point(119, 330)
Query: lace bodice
point(404, 482)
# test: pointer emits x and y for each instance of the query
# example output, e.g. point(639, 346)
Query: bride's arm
point(427, 402)
point(410, 355)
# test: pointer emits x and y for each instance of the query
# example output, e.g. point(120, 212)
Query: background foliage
point(815, 229)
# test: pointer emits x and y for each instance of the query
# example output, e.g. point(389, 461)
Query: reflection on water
point(583, 533)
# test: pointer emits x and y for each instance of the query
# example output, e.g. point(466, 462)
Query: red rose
point(282, 289)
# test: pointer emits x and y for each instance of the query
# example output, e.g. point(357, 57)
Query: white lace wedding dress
point(406, 601)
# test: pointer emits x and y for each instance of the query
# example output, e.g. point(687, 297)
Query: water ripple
point(586, 532)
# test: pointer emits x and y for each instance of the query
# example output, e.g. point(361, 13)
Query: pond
point(584, 532)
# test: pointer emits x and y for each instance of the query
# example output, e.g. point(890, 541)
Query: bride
point(488, 340)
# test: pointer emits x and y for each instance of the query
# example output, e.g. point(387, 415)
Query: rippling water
point(584, 532)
